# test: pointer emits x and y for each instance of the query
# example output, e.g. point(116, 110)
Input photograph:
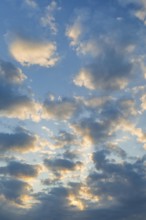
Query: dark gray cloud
point(21, 140)
point(46, 207)
point(10, 74)
point(19, 169)
point(122, 183)
point(64, 139)
point(92, 131)
point(60, 164)
point(14, 99)
point(13, 189)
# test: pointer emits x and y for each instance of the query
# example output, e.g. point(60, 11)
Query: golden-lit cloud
point(75, 202)
point(34, 53)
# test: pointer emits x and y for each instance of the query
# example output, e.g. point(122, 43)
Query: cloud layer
point(78, 154)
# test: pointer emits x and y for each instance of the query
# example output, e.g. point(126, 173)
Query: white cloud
point(34, 53)
point(74, 32)
point(31, 3)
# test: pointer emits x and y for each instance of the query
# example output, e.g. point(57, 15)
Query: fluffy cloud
point(14, 190)
point(60, 164)
point(20, 170)
point(21, 140)
point(34, 53)
point(14, 102)
point(110, 71)
point(112, 176)
point(92, 164)
point(61, 109)
point(92, 131)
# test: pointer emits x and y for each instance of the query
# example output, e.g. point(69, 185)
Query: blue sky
point(72, 109)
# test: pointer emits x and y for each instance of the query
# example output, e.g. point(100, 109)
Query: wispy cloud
point(48, 20)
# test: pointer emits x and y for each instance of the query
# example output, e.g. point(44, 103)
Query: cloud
point(89, 31)
point(91, 163)
point(60, 164)
point(77, 31)
point(21, 140)
point(31, 3)
point(34, 53)
point(143, 102)
point(120, 183)
point(45, 207)
point(20, 170)
point(11, 74)
point(48, 20)
point(77, 28)
point(14, 100)
point(91, 131)
point(139, 11)
point(103, 122)
point(61, 109)
point(64, 139)
point(14, 190)
point(15, 105)
point(110, 71)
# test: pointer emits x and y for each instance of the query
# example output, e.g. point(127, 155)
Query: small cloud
point(34, 53)
point(11, 74)
point(48, 20)
point(31, 3)
point(76, 30)
point(60, 164)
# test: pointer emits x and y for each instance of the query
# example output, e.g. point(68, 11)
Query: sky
point(72, 109)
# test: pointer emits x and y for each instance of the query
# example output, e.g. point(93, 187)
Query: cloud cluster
point(110, 71)
point(91, 164)
point(14, 190)
point(14, 102)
